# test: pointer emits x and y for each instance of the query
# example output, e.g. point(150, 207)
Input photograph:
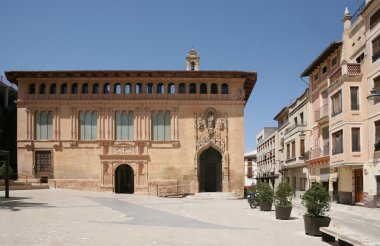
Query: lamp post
point(374, 95)
point(6, 153)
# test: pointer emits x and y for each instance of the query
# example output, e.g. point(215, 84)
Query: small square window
point(316, 76)
point(334, 61)
point(324, 69)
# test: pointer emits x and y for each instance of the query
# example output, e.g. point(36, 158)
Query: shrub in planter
point(283, 201)
point(265, 197)
point(317, 202)
point(2, 171)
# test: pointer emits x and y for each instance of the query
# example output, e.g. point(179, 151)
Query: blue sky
point(278, 39)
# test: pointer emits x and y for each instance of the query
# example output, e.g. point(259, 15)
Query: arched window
point(127, 89)
point(171, 88)
point(42, 88)
point(149, 88)
point(64, 88)
point(160, 88)
point(138, 88)
point(224, 89)
point(95, 88)
point(182, 88)
point(192, 66)
point(214, 88)
point(53, 88)
point(74, 88)
point(32, 88)
point(85, 88)
point(106, 88)
point(117, 89)
point(203, 88)
point(193, 88)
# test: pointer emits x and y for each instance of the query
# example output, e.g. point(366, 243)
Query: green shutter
point(82, 125)
point(161, 126)
point(118, 125)
point(93, 125)
point(167, 125)
point(130, 125)
point(154, 126)
point(38, 126)
point(49, 125)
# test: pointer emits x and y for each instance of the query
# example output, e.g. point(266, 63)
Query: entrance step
point(215, 196)
point(19, 185)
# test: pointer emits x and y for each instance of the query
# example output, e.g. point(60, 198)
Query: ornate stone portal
point(211, 130)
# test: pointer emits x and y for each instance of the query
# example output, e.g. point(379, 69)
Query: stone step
point(215, 196)
point(20, 185)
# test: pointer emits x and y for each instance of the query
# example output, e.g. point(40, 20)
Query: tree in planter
point(2, 171)
point(283, 201)
point(317, 202)
point(265, 196)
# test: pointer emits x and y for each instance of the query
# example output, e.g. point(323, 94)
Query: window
point(249, 168)
point(42, 88)
point(182, 88)
point(106, 88)
point(138, 88)
point(377, 135)
point(85, 88)
point(171, 88)
point(161, 125)
point(302, 147)
point(301, 116)
point(127, 89)
point(64, 88)
point(303, 182)
point(203, 88)
point(336, 100)
point(288, 151)
point(44, 125)
point(224, 89)
point(354, 98)
point(192, 88)
point(374, 18)
point(355, 139)
point(160, 88)
point(74, 88)
point(32, 88)
point(42, 161)
point(117, 89)
point(324, 69)
point(295, 121)
point(316, 76)
point(149, 88)
point(337, 138)
point(214, 88)
point(124, 125)
point(95, 88)
point(376, 49)
point(87, 124)
point(293, 149)
point(192, 66)
point(376, 86)
point(360, 58)
point(53, 88)
point(334, 61)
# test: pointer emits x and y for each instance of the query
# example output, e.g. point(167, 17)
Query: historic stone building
point(145, 132)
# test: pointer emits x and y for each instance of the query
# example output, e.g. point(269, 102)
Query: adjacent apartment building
point(134, 131)
point(250, 166)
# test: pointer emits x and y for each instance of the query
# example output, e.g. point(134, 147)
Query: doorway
point(359, 185)
point(124, 179)
point(210, 171)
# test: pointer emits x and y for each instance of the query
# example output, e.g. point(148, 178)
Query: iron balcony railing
point(337, 150)
point(336, 112)
point(355, 16)
point(320, 152)
point(321, 112)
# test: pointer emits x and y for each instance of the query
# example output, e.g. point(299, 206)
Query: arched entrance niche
point(210, 171)
point(124, 179)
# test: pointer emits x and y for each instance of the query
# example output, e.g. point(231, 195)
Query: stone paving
point(70, 217)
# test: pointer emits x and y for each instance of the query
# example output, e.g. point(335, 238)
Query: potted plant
point(265, 196)
point(2, 171)
point(283, 201)
point(317, 202)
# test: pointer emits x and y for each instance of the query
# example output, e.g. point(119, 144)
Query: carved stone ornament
point(123, 150)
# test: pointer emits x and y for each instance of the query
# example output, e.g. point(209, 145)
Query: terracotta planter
point(283, 213)
point(312, 224)
point(265, 206)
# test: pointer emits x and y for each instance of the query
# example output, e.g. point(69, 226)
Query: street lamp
point(374, 95)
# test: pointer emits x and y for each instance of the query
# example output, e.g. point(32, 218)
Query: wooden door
point(359, 185)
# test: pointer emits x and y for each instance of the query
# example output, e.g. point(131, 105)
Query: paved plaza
point(71, 217)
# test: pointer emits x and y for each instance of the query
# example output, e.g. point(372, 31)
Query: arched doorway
point(124, 179)
point(210, 171)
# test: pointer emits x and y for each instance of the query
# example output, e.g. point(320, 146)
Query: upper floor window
point(203, 88)
point(171, 88)
point(87, 125)
point(127, 89)
point(106, 88)
point(32, 88)
point(53, 88)
point(182, 88)
point(124, 125)
point(74, 88)
point(324, 69)
point(149, 88)
point(193, 88)
point(316, 76)
point(360, 58)
point(214, 88)
point(42, 88)
point(376, 49)
point(192, 66)
point(302, 147)
point(161, 125)
point(334, 61)
point(377, 135)
point(354, 97)
point(44, 125)
point(337, 141)
point(336, 105)
point(95, 88)
point(376, 86)
point(138, 88)
point(160, 88)
point(293, 149)
point(117, 88)
point(355, 139)
point(374, 18)
point(64, 88)
point(85, 88)
point(224, 89)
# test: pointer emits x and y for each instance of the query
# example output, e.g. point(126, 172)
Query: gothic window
point(42, 161)
point(127, 89)
point(161, 125)
point(32, 88)
point(117, 88)
point(224, 89)
point(42, 88)
point(214, 88)
point(149, 88)
point(182, 88)
point(74, 88)
point(95, 88)
point(192, 66)
point(87, 125)
point(124, 125)
point(44, 125)
point(160, 88)
point(53, 88)
point(138, 88)
point(203, 88)
point(64, 88)
point(106, 88)
point(193, 88)
point(171, 88)
point(85, 88)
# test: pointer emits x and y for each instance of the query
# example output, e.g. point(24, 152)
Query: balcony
point(336, 112)
point(321, 113)
point(295, 128)
point(337, 150)
point(346, 73)
point(320, 152)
